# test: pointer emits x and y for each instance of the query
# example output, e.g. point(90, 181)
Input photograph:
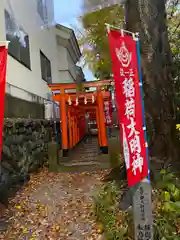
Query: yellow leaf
point(33, 235)
point(25, 230)
point(100, 228)
point(18, 207)
point(57, 228)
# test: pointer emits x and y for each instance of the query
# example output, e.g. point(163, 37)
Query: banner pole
point(143, 109)
point(109, 26)
point(144, 189)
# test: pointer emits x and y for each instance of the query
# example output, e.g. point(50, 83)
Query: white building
point(47, 55)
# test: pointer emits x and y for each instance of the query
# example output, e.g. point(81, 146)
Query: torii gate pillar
point(63, 114)
point(102, 125)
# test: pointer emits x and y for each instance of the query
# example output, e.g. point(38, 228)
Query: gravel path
point(55, 206)
point(58, 206)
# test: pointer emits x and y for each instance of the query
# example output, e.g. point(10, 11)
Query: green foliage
point(97, 55)
point(119, 225)
point(114, 152)
point(80, 87)
point(114, 159)
point(178, 130)
point(173, 20)
point(167, 207)
point(107, 88)
point(105, 210)
point(94, 41)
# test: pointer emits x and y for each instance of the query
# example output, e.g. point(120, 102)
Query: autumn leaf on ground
point(55, 205)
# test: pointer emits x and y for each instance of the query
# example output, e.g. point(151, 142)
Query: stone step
point(82, 163)
point(85, 168)
point(86, 157)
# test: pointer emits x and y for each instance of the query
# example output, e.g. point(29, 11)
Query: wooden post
point(64, 123)
point(71, 131)
point(79, 128)
point(104, 145)
point(76, 130)
point(70, 128)
point(84, 127)
point(74, 139)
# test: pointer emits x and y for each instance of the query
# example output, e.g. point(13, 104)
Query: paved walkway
point(59, 205)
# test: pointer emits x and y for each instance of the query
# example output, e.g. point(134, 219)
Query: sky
point(66, 13)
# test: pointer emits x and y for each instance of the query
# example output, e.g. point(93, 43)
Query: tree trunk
point(148, 17)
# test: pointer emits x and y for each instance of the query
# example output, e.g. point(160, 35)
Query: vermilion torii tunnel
point(73, 108)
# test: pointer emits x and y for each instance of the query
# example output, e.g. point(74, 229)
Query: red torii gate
point(73, 107)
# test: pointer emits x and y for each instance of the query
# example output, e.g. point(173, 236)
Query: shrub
point(112, 222)
point(116, 224)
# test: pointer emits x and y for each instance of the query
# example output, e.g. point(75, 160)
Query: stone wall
point(24, 151)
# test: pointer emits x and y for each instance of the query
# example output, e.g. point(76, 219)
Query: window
point(42, 9)
point(19, 41)
point(45, 68)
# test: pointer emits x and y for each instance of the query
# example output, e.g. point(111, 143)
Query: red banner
point(3, 63)
point(129, 104)
point(108, 111)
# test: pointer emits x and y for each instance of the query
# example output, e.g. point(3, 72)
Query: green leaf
point(95, 35)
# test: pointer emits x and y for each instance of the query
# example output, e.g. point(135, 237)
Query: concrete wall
point(67, 72)
point(25, 12)
point(18, 108)
point(62, 58)
point(71, 65)
point(68, 54)
point(63, 66)
point(66, 77)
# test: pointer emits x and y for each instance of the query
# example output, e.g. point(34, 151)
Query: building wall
point(68, 55)
point(25, 12)
point(62, 58)
point(71, 65)
point(66, 66)
point(65, 77)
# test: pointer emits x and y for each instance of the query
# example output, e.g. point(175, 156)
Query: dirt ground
point(55, 206)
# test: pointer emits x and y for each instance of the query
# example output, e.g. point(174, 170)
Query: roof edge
point(72, 36)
